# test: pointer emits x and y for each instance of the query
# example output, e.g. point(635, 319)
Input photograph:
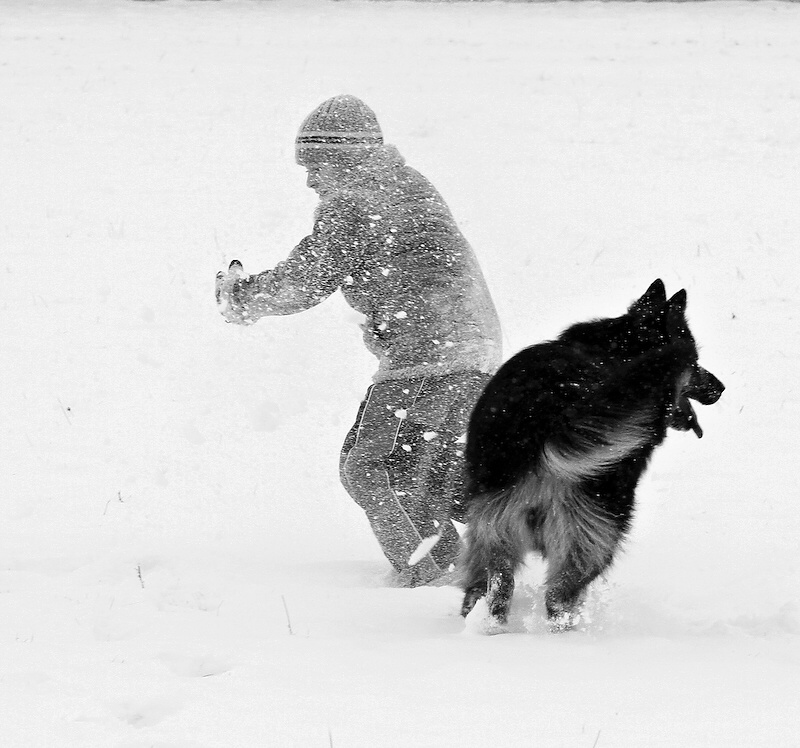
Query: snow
point(179, 565)
point(423, 548)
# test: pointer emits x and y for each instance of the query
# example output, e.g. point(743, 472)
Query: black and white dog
point(558, 441)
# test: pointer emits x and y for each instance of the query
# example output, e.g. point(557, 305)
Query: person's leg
point(365, 475)
point(349, 443)
point(450, 478)
point(426, 464)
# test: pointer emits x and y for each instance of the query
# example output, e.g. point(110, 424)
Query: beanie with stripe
point(342, 129)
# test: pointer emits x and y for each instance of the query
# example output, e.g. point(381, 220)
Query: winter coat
point(388, 241)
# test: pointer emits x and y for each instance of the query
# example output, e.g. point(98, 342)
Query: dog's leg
point(487, 566)
point(474, 592)
point(498, 537)
point(566, 589)
point(497, 586)
point(501, 588)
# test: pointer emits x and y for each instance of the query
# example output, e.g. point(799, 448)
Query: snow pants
point(402, 463)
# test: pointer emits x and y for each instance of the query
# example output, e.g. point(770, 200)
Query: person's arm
point(312, 272)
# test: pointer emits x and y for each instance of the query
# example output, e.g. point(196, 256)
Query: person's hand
point(224, 286)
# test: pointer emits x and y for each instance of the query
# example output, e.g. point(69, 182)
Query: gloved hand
point(224, 286)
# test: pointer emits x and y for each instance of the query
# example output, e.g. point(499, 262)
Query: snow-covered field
point(179, 565)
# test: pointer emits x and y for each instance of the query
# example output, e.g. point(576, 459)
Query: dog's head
point(666, 318)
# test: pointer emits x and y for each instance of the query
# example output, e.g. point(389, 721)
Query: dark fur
point(558, 441)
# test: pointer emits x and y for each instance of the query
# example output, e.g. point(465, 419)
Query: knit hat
point(342, 129)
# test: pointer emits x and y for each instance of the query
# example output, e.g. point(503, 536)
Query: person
point(385, 238)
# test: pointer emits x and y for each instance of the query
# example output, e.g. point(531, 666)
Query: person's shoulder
point(415, 183)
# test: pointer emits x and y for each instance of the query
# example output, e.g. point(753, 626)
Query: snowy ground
point(178, 563)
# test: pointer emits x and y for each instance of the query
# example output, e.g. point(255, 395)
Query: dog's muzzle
point(701, 385)
point(704, 386)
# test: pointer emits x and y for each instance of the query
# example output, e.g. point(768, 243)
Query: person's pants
point(402, 463)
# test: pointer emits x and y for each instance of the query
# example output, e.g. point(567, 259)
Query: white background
point(179, 565)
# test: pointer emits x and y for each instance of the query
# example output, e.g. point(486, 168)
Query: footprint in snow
point(189, 666)
point(146, 713)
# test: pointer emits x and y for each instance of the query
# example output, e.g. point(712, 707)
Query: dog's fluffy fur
point(557, 443)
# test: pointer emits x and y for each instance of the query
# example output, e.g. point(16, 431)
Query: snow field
point(179, 565)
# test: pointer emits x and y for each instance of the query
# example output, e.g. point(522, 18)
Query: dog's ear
point(676, 315)
point(678, 301)
point(653, 297)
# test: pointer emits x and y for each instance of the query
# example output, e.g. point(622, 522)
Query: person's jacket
point(389, 242)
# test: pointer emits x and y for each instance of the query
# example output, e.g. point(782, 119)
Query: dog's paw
point(480, 620)
point(471, 598)
point(564, 621)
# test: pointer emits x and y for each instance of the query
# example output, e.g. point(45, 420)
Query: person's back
point(428, 309)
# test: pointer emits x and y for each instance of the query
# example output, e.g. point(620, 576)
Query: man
point(386, 239)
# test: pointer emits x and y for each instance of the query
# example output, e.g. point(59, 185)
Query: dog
point(558, 441)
